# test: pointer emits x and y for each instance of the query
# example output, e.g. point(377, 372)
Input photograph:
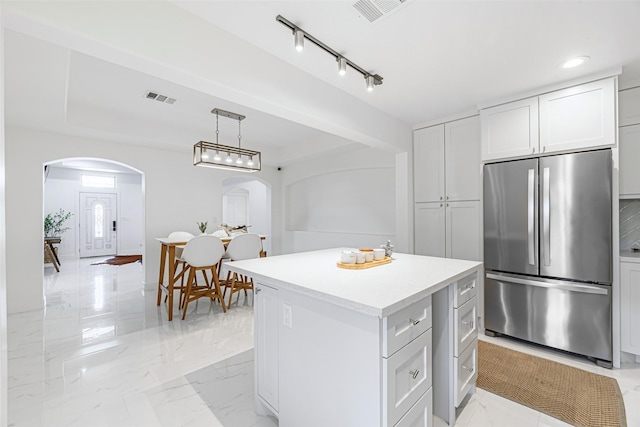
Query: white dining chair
point(242, 246)
point(202, 253)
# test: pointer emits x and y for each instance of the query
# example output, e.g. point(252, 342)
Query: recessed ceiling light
point(574, 62)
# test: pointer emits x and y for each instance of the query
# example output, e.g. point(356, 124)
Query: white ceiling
point(440, 58)
point(437, 58)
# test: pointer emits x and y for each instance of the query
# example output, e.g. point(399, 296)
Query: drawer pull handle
point(414, 322)
point(468, 288)
point(468, 369)
point(469, 324)
point(415, 373)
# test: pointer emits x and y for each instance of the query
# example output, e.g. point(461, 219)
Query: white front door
point(97, 224)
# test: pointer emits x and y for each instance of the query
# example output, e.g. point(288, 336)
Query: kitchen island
point(384, 346)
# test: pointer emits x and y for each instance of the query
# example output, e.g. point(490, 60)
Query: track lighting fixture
point(201, 156)
point(300, 35)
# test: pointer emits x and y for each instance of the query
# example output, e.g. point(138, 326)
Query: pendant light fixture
point(299, 36)
point(245, 160)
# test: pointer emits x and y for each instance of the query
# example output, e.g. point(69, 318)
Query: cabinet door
point(630, 306)
point(428, 164)
point(429, 234)
point(510, 130)
point(629, 159)
point(266, 344)
point(629, 107)
point(578, 117)
point(463, 233)
point(462, 159)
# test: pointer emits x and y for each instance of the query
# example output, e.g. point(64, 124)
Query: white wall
point(345, 199)
point(3, 263)
point(177, 194)
point(62, 190)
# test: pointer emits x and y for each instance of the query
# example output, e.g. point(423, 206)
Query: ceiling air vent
point(158, 97)
point(376, 9)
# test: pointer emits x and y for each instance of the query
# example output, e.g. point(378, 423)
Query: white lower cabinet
point(466, 372)
point(421, 415)
point(429, 229)
point(406, 375)
point(466, 325)
point(385, 367)
point(630, 306)
point(405, 325)
point(266, 335)
point(450, 230)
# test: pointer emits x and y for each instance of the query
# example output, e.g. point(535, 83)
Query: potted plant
point(202, 226)
point(54, 223)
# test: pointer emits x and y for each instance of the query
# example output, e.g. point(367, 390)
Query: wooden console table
point(51, 252)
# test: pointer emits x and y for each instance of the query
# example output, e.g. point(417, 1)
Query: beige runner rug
point(569, 394)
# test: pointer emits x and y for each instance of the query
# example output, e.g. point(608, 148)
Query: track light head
point(299, 40)
point(370, 82)
point(342, 65)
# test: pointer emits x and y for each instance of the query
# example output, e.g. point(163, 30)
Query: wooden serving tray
point(370, 264)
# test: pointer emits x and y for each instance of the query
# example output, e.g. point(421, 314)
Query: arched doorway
point(104, 203)
point(249, 199)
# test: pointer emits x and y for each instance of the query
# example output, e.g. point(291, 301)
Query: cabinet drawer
point(405, 377)
point(466, 372)
point(466, 288)
point(466, 325)
point(421, 415)
point(400, 328)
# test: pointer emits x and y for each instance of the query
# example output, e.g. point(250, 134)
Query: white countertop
point(377, 291)
point(629, 256)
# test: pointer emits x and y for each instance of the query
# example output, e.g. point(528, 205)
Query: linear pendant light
point(245, 160)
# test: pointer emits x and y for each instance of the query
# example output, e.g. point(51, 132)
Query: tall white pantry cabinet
point(447, 188)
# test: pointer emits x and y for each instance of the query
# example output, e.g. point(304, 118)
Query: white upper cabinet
point(629, 103)
point(572, 119)
point(446, 161)
point(462, 159)
point(428, 164)
point(578, 117)
point(510, 130)
point(629, 156)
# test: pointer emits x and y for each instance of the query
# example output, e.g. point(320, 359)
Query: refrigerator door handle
point(573, 287)
point(531, 216)
point(546, 217)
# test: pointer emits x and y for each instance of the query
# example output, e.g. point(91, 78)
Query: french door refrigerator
point(547, 251)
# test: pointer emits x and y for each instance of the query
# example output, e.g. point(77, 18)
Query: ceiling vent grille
point(158, 97)
point(376, 9)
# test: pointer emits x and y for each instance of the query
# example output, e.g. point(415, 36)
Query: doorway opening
point(247, 201)
point(105, 200)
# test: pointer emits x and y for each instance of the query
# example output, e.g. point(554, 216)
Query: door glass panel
point(98, 220)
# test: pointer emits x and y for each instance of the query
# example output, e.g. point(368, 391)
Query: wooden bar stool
point(202, 253)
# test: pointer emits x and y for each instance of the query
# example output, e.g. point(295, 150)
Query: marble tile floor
point(102, 354)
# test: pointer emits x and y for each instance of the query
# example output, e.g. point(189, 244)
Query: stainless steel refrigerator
point(547, 251)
